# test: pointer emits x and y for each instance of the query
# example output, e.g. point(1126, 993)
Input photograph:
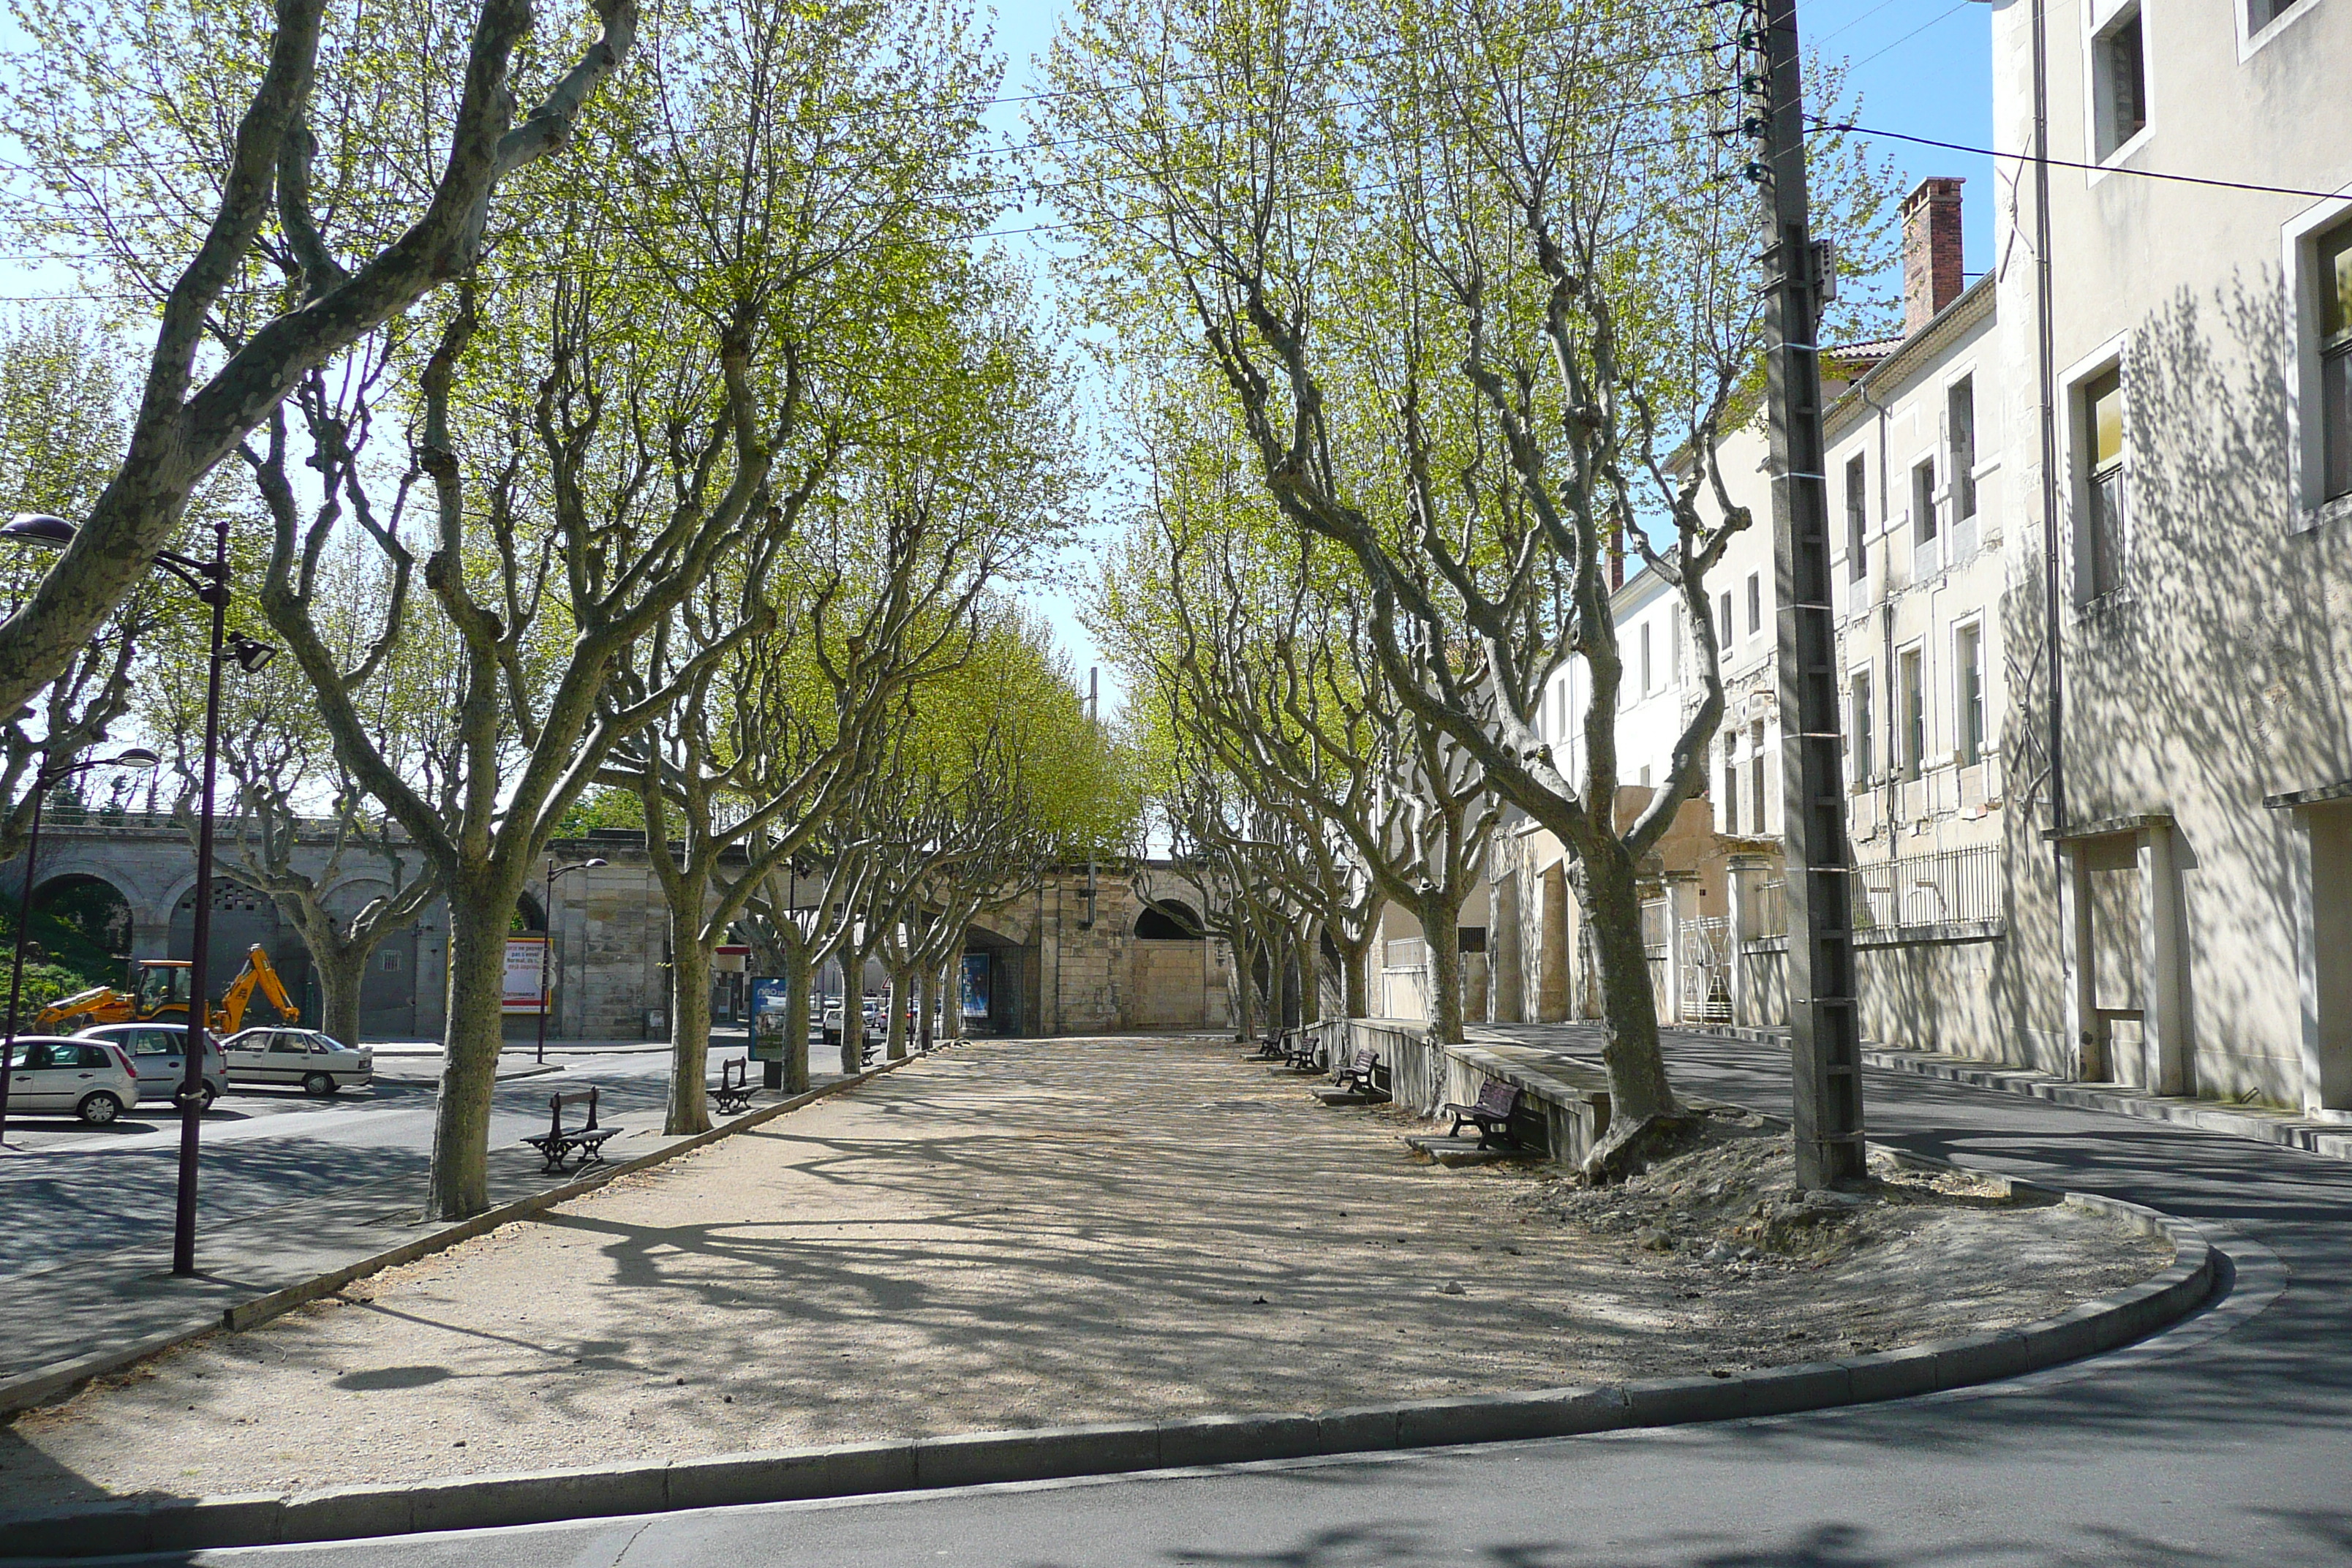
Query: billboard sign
point(771, 998)
point(526, 963)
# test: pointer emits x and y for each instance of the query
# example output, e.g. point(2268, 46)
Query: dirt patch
point(1035, 1233)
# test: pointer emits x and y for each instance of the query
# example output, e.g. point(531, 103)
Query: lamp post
point(208, 581)
point(45, 779)
point(547, 942)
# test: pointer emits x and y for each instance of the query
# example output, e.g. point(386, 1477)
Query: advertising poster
point(975, 986)
point(768, 998)
point(519, 993)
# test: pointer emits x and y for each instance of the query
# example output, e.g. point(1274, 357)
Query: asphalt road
point(68, 1191)
point(2227, 1439)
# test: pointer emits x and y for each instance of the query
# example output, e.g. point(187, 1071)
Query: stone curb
point(483, 1502)
point(46, 1384)
point(2333, 1142)
point(2329, 1140)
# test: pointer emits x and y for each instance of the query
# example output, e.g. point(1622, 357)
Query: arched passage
point(82, 923)
point(1169, 983)
point(1168, 920)
point(242, 917)
point(997, 989)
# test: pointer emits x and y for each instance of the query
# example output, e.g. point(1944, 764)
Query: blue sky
point(1921, 68)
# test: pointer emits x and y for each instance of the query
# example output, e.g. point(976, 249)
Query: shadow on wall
point(2218, 671)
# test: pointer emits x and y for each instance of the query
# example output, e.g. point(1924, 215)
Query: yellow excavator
point(160, 992)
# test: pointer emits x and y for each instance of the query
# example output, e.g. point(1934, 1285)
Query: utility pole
point(1826, 1026)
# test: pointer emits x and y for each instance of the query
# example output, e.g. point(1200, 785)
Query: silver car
point(55, 1076)
point(319, 1063)
point(159, 1053)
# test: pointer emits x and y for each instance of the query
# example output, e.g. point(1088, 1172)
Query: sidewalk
point(1019, 1234)
point(2328, 1133)
point(103, 1308)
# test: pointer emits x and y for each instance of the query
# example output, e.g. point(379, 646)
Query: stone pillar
point(1739, 914)
point(2164, 959)
point(149, 938)
point(1551, 972)
point(2077, 960)
point(1508, 986)
point(1682, 904)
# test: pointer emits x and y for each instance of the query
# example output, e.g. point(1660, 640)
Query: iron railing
point(1947, 886)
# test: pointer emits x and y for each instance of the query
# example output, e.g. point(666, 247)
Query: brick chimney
point(1931, 251)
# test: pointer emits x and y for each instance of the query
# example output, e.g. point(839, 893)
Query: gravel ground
point(1034, 1233)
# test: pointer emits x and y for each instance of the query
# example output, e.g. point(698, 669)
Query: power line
point(1849, 127)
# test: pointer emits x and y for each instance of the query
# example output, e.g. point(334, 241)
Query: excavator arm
point(258, 973)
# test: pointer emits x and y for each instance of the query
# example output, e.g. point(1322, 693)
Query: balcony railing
point(1946, 888)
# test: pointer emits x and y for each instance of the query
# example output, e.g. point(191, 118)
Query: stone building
point(1082, 952)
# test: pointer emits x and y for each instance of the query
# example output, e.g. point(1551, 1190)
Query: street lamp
point(208, 581)
point(547, 941)
point(45, 779)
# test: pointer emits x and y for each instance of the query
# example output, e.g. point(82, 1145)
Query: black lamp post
point(45, 779)
point(208, 581)
point(547, 942)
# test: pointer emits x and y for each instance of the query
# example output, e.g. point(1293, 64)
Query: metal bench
point(1300, 1051)
point(1358, 1074)
point(1491, 1113)
point(732, 1093)
point(559, 1144)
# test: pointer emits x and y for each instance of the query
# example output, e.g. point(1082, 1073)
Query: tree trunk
point(797, 1019)
point(1440, 936)
point(1311, 992)
point(902, 987)
point(1637, 1071)
point(1244, 995)
point(853, 1011)
point(689, 1020)
point(1356, 987)
point(927, 1001)
point(341, 971)
point(479, 919)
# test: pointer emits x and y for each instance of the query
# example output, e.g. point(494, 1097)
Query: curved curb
point(792, 1475)
point(58, 1379)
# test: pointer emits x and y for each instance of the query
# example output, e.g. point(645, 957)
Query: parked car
point(60, 1077)
point(159, 1054)
point(321, 1064)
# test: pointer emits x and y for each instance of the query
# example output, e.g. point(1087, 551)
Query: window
point(1861, 737)
point(1730, 780)
point(2261, 13)
point(1968, 658)
point(2335, 273)
point(2103, 426)
point(1914, 711)
point(2120, 85)
point(1645, 658)
point(1725, 639)
point(391, 963)
point(1960, 418)
point(1645, 778)
point(1923, 501)
point(1754, 603)
point(1756, 773)
point(1857, 519)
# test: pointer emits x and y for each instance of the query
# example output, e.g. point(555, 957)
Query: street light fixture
point(208, 581)
point(45, 779)
point(547, 941)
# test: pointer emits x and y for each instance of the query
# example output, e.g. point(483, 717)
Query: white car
point(319, 1063)
point(52, 1075)
point(157, 1052)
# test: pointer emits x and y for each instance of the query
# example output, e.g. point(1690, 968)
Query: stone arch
point(1169, 920)
point(85, 921)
